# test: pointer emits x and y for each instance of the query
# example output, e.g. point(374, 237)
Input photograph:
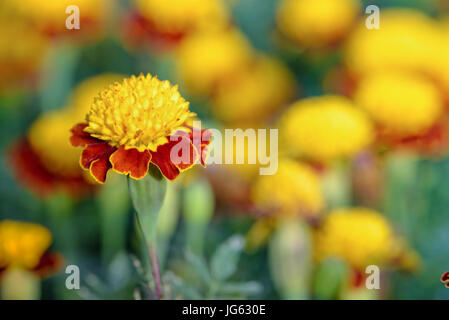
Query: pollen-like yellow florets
point(294, 189)
point(183, 15)
point(22, 244)
point(206, 58)
point(254, 93)
point(84, 93)
point(324, 128)
point(359, 236)
point(49, 137)
point(315, 23)
point(140, 112)
point(401, 102)
point(407, 39)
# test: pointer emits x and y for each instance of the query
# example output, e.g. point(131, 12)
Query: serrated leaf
point(200, 267)
point(225, 259)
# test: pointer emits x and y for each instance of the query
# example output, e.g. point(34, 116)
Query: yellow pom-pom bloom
point(401, 102)
point(22, 244)
point(255, 93)
point(180, 16)
point(294, 189)
point(140, 112)
point(359, 236)
point(206, 58)
point(324, 128)
point(406, 39)
point(49, 137)
point(315, 23)
point(84, 93)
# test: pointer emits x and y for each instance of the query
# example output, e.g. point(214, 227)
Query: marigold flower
point(317, 23)
point(359, 236)
point(406, 40)
point(206, 58)
point(183, 16)
point(24, 245)
point(255, 93)
point(400, 102)
point(135, 122)
point(294, 189)
point(44, 160)
point(324, 128)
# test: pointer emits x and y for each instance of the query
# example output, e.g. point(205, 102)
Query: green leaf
point(225, 259)
point(200, 267)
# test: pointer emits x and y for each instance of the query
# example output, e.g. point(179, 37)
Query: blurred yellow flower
point(50, 16)
point(401, 102)
point(180, 16)
point(206, 58)
point(255, 93)
point(22, 244)
point(293, 190)
point(315, 23)
point(359, 236)
point(21, 51)
point(49, 137)
point(324, 128)
point(84, 93)
point(407, 39)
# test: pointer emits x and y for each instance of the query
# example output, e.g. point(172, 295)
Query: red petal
point(80, 137)
point(99, 168)
point(95, 151)
point(131, 161)
point(161, 158)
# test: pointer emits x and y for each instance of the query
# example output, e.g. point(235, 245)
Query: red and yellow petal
point(80, 138)
point(131, 162)
point(161, 158)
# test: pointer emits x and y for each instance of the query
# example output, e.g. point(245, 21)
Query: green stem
point(147, 196)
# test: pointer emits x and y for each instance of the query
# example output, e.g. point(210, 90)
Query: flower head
point(406, 40)
point(25, 246)
point(22, 244)
point(45, 161)
point(324, 128)
point(359, 236)
point(400, 102)
point(206, 58)
point(255, 93)
point(294, 189)
point(316, 23)
point(139, 121)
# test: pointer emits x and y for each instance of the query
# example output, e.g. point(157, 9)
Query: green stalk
point(147, 196)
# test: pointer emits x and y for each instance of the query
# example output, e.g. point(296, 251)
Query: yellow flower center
point(140, 112)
